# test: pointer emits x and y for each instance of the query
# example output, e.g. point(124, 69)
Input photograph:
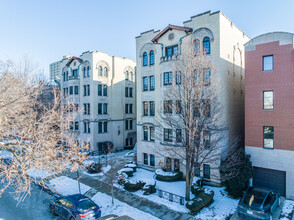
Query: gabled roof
point(72, 59)
point(170, 27)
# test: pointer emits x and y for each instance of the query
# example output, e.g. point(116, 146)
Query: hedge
point(133, 186)
point(168, 176)
point(203, 199)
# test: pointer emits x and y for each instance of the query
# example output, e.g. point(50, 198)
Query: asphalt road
point(35, 206)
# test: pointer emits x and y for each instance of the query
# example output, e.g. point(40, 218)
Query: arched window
point(145, 59)
point(206, 76)
point(88, 71)
point(100, 71)
point(206, 45)
point(131, 76)
point(196, 46)
point(151, 57)
point(63, 76)
point(84, 71)
point(105, 72)
point(127, 75)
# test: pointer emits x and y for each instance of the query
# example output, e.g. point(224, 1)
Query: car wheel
point(52, 210)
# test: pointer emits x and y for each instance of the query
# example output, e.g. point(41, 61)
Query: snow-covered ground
point(218, 210)
point(288, 207)
point(67, 186)
point(39, 173)
point(104, 171)
point(119, 208)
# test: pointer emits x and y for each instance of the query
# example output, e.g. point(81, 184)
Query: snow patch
point(163, 173)
point(39, 173)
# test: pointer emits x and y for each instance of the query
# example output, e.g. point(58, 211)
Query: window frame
point(151, 57)
point(145, 83)
point(271, 55)
point(151, 83)
point(268, 109)
point(273, 138)
point(145, 59)
point(206, 44)
point(206, 167)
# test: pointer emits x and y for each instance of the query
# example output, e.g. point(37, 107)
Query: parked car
point(75, 207)
point(258, 203)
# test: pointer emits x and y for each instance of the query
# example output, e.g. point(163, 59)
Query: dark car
point(75, 207)
point(258, 203)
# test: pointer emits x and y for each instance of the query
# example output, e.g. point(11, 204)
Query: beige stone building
point(155, 51)
point(99, 91)
point(55, 68)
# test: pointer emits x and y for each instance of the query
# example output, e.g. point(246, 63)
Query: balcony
point(73, 77)
point(168, 58)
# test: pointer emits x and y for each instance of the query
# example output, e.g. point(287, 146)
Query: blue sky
point(45, 30)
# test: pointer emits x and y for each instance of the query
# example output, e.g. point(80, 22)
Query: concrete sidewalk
point(145, 205)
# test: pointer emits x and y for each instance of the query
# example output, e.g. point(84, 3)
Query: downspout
point(180, 41)
point(161, 48)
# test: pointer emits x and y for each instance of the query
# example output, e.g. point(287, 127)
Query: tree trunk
point(187, 196)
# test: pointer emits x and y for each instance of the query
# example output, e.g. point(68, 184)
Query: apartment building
point(269, 110)
point(155, 53)
point(55, 68)
point(99, 91)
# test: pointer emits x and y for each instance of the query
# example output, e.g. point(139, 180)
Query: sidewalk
point(145, 205)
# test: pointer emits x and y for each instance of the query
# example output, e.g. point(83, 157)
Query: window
point(100, 71)
point(70, 107)
point(145, 158)
point(131, 108)
point(127, 75)
point(71, 90)
point(75, 73)
point(197, 169)
point(86, 108)
point(71, 125)
point(105, 126)
point(152, 160)
point(176, 165)
point(88, 71)
point(145, 133)
point(168, 107)
point(127, 141)
point(84, 72)
point(206, 76)
point(196, 46)
point(105, 90)
point(206, 171)
point(206, 45)
point(105, 108)
point(126, 108)
point(76, 125)
point(127, 125)
point(167, 78)
point(105, 72)
point(131, 92)
point(152, 83)
point(206, 139)
point(268, 100)
point(168, 164)
point(151, 57)
point(173, 50)
point(145, 108)
point(179, 135)
point(268, 137)
point(76, 107)
point(152, 138)
point(196, 108)
point(178, 107)
point(131, 76)
point(76, 90)
point(145, 59)
point(87, 127)
point(178, 78)
point(127, 92)
point(206, 107)
point(99, 90)
point(168, 135)
point(102, 127)
point(152, 108)
point(145, 84)
point(267, 63)
point(131, 124)
point(88, 88)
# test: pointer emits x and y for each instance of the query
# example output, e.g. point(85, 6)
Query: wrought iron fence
point(170, 196)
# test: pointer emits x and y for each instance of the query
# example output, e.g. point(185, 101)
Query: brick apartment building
point(269, 110)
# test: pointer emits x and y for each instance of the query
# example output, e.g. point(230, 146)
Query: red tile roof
point(170, 27)
point(72, 59)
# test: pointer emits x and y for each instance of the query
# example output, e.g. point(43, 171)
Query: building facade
point(269, 110)
point(55, 68)
point(99, 91)
point(156, 50)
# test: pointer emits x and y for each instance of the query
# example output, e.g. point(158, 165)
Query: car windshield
point(254, 198)
point(86, 204)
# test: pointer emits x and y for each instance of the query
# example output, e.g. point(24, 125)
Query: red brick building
point(269, 110)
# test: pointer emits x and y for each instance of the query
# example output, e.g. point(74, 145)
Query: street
point(35, 206)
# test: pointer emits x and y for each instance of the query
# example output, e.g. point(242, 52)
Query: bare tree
point(192, 110)
point(31, 130)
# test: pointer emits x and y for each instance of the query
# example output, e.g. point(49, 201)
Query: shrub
point(94, 168)
point(196, 190)
point(204, 198)
point(128, 171)
point(133, 186)
point(149, 188)
point(131, 165)
point(122, 178)
point(168, 176)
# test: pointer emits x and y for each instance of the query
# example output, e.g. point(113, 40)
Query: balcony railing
point(73, 77)
point(168, 58)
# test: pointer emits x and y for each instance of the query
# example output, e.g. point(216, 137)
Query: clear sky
point(45, 30)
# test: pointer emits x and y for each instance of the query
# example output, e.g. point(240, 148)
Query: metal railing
point(170, 196)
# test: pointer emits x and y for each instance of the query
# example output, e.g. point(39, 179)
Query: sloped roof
point(170, 27)
point(72, 59)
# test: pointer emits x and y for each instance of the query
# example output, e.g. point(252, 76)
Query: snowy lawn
point(39, 173)
point(4, 154)
point(67, 186)
point(119, 208)
point(287, 210)
point(218, 210)
point(104, 170)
